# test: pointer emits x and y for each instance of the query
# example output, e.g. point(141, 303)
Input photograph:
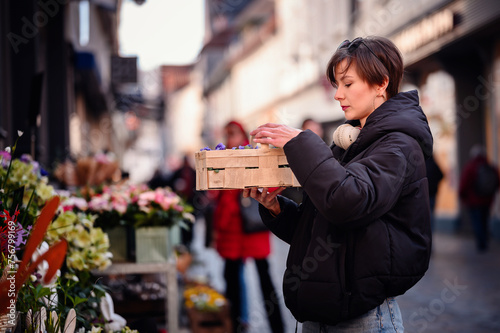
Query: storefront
point(453, 57)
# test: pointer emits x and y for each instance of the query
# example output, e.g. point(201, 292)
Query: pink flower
point(119, 204)
point(73, 202)
point(100, 203)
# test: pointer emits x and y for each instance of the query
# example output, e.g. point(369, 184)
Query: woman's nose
point(338, 94)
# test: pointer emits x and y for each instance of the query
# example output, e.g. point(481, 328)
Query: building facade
point(266, 62)
point(55, 76)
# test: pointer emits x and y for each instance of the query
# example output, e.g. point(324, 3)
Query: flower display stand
point(168, 269)
point(241, 168)
point(118, 243)
point(155, 244)
point(210, 321)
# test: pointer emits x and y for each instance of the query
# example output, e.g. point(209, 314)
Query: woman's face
point(234, 136)
point(357, 98)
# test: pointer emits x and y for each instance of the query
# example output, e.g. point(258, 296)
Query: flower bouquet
point(207, 309)
point(88, 171)
point(127, 213)
point(203, 298)
point(139, 206)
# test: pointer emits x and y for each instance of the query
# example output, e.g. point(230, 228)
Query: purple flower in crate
point(241, 147)
point(248, 146)
point(206, 148)
point(220, 146)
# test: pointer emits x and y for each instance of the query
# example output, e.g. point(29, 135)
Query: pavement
point(459, 293)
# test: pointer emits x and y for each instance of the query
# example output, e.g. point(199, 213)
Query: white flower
point(96, 330)
point(7, 149)
point(70, 276)
point(20, 133)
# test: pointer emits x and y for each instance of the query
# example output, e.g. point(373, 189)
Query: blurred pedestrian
point(235, 246)
point(479, 182)
point(314, 126)
point(183, 182)
point(159, 179)
point(362, 234)
point(434, 176)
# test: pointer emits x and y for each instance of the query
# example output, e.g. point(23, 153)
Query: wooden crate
point(241, 168)
point(210, 322)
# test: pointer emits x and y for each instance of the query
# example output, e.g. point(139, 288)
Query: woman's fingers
point(276, 134)
point(275, 193)
point(265, 129)
point(263, 196)
point(270, 197)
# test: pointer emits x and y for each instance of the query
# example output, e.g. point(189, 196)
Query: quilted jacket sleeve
point(358, 193)
point(285, 223)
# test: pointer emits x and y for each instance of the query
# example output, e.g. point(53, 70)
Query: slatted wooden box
point(241, 168)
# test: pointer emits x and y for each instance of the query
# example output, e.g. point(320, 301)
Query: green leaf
point(78, 300)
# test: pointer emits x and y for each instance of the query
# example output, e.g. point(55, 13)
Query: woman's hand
point(276, 134)
point(266, 198)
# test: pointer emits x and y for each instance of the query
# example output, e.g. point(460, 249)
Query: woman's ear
point(382, 88)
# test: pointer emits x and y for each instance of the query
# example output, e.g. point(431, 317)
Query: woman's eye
point(347, 85)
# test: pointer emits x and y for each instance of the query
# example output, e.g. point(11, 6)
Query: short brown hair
point(376, 59)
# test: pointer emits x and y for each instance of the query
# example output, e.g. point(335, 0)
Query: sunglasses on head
point(352, 46)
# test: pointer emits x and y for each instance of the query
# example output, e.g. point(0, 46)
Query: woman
point(235, 246)
point(362, 233)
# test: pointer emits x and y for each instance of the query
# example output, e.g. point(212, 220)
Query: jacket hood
point(401, 113)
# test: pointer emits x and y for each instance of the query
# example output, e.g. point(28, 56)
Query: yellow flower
point(203, 298)
point(81, 237)
point(44, 191)
point(62, 225)
point(75, 260)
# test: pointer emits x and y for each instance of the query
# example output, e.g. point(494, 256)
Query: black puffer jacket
point(362, 233)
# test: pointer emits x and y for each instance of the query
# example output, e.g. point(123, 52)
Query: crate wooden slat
point(241, 168)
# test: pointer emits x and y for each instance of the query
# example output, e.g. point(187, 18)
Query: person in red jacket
point(235, 246)
point(476, 191)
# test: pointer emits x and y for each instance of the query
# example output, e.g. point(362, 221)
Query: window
point(84, 20)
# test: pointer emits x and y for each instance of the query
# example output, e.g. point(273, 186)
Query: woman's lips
point(344, 108)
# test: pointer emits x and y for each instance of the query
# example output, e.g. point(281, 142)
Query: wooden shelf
point(167, 268)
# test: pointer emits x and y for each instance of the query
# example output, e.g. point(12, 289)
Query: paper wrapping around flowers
point(87, 171)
